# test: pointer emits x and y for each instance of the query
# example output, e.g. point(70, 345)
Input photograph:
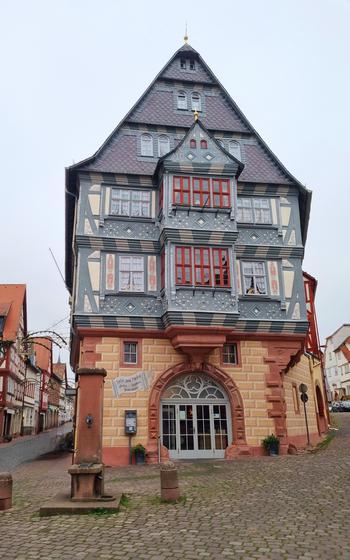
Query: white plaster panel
point(274, 211)
point(292, 239)
point(153, 204)
point(94, 272)
point(285, 215)
point(107, 200)
point(94, 200)
point(87, 227)
point(296, 311)
point(238, 277)
point(288, 276)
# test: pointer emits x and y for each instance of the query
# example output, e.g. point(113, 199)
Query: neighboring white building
point(31, 399)
point(337, 362)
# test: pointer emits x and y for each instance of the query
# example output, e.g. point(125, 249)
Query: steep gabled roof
point(12, 302)
point(115, 154)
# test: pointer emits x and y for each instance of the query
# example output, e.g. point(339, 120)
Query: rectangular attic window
point(183, 63)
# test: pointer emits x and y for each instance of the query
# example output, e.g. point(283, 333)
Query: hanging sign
point(141, 381)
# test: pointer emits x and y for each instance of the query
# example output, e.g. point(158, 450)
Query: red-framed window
point(221, 267)
point(202, 266)
point(204, 145)
point(181, 190)
point(221, 193)
point(193, 144)
point(201, 191)
point(183, 265)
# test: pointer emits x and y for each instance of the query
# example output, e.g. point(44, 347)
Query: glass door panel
point(220, 426)
point(203, 427)
point(169, 426)
point(186, 427)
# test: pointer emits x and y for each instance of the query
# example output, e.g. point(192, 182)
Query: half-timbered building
point(185, 238)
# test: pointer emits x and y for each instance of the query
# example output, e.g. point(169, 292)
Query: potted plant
point(272, 444)
point(139, 453)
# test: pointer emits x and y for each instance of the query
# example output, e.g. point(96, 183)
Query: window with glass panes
point(254, 210)
point(202, 266)
point(221, 193)
point(254, 278)
point(181, 190)
point(130, 353)
point(131, 203)
point(201, 191)
point(131, 274)
point(230, 354)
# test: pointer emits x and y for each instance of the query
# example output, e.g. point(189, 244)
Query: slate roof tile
point(260, 168)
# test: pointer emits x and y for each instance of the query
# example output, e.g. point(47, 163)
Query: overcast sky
point(71, 69)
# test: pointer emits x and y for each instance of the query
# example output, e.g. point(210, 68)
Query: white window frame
point(162, 139)
point(133, 266)
point(196, 105)
point(255, 276)
point(251, 206)
point(130, 200)
point(182, 102)
point(146, 145)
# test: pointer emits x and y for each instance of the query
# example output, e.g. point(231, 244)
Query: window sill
point(204, 288)
point(210, 209)
point(129, 218)
point(249, 225)
point(258, 297)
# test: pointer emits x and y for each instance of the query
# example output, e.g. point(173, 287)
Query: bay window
point(202, 266)
point(254, 210)
point(202, 192)
point(254, 278)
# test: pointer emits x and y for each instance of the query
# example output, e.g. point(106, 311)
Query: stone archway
point(239, 444)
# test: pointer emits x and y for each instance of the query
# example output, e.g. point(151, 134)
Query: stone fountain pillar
point(87, 471)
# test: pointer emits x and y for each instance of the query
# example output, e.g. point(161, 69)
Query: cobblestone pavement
point(294, 507)
point(28, 448)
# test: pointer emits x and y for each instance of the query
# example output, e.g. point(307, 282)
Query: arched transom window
point(193, 387)
point(195, 101)
point(164, 145)
point(181, 100)
point(146, 145)
point(234, 149)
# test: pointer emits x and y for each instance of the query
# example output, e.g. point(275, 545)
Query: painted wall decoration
point(273, 278)
point(110, 271)
point(152, 273)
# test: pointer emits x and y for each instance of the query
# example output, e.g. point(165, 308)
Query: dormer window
point(204, 145)
point(183, 63)
point(163, 145)
point(182, 100)
point(234, 149)
point(192, 65)
point(195, 101)
point(193, 144)
point(146, 145)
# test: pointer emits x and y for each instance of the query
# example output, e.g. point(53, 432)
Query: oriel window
point(202, 266)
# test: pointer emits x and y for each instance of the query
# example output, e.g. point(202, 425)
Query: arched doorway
point(195, 418)
point(321, 418)
point(236, 443)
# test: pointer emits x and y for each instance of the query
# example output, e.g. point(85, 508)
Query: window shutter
point(272, 267)
point(152, 273)
point(110, 272)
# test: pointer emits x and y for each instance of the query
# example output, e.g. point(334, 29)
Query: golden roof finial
point(186, 35)
point(196, 115)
